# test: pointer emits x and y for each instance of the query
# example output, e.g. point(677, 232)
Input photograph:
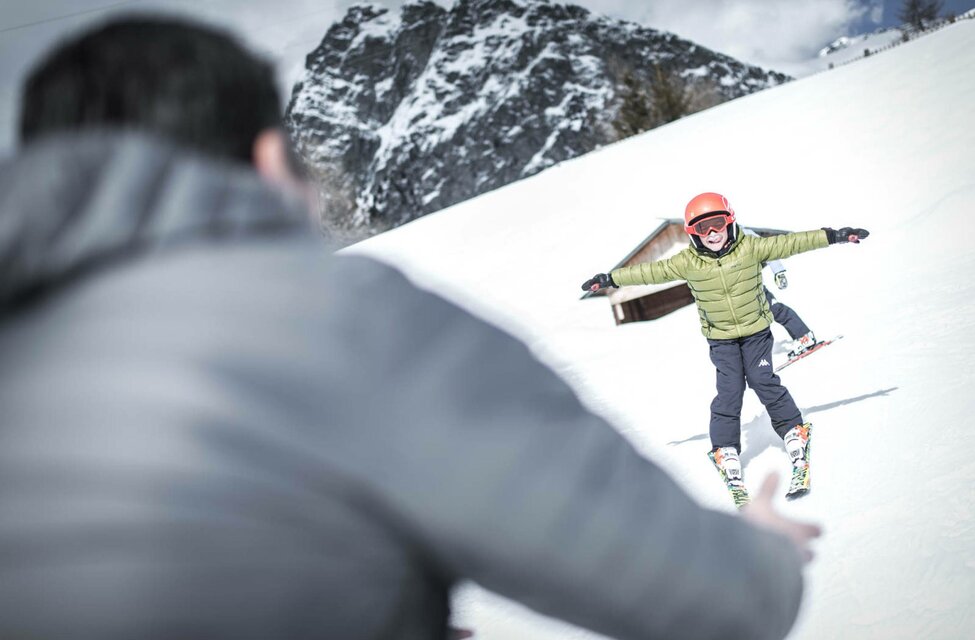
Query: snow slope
point(886, 143)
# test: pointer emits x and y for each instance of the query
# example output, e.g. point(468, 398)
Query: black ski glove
point(780, 280)
point(846, 234)
point(598, 281)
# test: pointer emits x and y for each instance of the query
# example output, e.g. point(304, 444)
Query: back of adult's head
point(189, 83)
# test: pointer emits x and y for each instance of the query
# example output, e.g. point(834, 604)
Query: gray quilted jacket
point(211, 429)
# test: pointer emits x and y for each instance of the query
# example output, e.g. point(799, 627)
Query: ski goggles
point(713, 223)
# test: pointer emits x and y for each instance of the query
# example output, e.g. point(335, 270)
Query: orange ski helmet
point(705, 204)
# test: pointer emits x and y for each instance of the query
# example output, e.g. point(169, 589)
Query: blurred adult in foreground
point(212, 429)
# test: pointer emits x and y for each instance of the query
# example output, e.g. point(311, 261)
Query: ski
point(736, 487)
point(799, 454)
point(808, 352)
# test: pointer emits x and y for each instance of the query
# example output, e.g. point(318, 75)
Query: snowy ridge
point(409, 114)
point(892, 472)
point(847, 49)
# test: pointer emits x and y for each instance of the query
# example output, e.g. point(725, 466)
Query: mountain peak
point(363, 12)
point(401, 115)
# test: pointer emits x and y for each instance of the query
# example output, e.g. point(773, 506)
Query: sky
point(893, 485)
point(771, 33)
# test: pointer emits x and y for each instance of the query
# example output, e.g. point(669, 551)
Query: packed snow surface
point(885, 143)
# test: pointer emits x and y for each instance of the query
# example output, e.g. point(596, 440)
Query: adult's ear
point(270, 157)
point(271, 161)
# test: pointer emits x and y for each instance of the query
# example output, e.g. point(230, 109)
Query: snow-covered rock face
point(402, 115)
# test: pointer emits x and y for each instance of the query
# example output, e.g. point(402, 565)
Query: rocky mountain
point(399, 115)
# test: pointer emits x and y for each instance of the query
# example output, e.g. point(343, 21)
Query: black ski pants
point(740, 361)
point(786, 316)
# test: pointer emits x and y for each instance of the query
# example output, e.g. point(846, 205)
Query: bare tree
point(703, 93)
point(918, 13)
point(635, 115)
point(646, 104)
point(336, 191)
point(670, 97)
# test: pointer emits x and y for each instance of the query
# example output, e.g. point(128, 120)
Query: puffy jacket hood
point(71, 203)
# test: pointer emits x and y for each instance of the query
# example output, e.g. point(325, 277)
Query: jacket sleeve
point(656, 272)
point(488, 462)
point(774, 265)
point(788, 244)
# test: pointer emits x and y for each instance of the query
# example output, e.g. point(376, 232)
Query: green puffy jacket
point(728, 289)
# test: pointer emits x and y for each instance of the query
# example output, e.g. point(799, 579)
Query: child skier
point(723, 268)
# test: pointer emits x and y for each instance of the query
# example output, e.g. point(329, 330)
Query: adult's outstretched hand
point(761, 513)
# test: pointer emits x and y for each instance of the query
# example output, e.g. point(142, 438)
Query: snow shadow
point(839, 403)
point(757, 435)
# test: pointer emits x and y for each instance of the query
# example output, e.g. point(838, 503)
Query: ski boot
point(728, 464)
point(802, 344)
point(797, 445)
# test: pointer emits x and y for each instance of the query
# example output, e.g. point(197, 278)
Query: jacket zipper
point(727, 295)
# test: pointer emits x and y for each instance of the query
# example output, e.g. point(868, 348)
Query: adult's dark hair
point(191, 84)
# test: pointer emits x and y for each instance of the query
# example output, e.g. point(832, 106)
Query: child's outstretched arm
point(643, 273)
point(656, 272)
point(789, 244)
